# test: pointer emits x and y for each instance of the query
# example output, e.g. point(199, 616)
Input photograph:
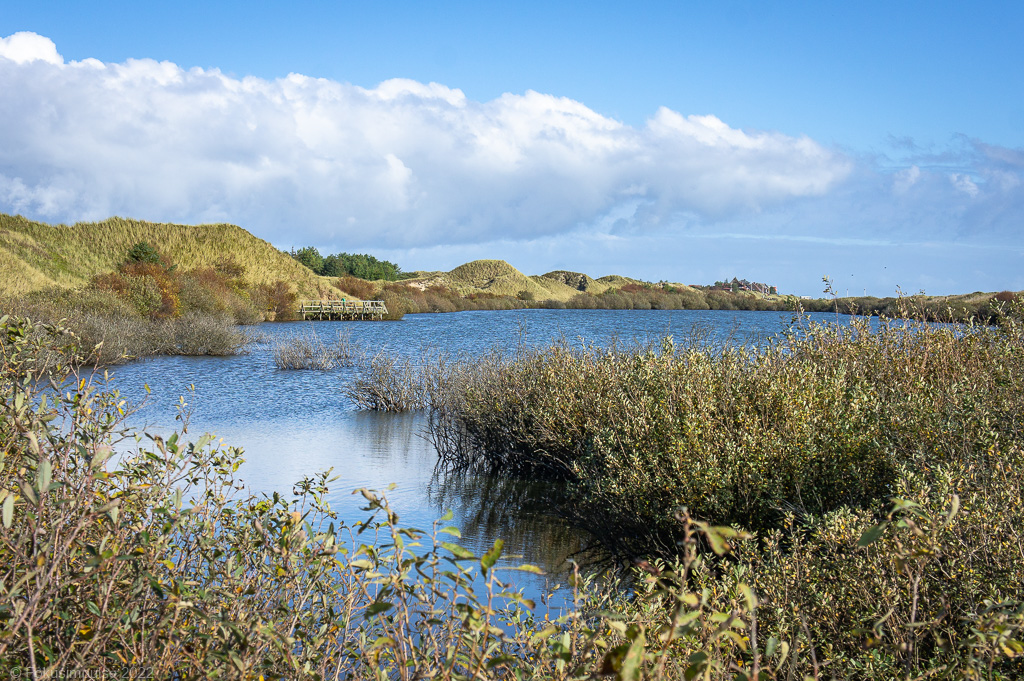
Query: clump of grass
point(388, 382)
point(310, 352)
point(194, 333)
point(348, 352)
point(103, 322)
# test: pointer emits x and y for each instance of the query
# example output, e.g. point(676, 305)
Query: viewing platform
point(343, 310)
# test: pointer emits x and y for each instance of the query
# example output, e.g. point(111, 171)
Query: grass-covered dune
point(35, 256)
point(494, 278)
point(141, 288)
point(499, 278)
point(496, 285)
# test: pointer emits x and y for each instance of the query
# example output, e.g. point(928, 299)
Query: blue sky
point(879, 143)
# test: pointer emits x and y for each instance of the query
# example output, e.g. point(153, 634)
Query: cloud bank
point(405, 163)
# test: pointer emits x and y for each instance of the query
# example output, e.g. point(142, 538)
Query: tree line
point(339, 264)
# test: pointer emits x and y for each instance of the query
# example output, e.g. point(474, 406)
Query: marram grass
point(34, 255)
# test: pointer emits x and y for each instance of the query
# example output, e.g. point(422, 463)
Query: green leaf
point(459, 552)
point(237, 661)
point(447, 516)
point(499, 660)
point(718, 542)
point(632, 663)
point(518, 598)
point(26, 489)
point(749, 597)
point(698, 662)
point(452, 530)
point(872, 534)
point(543, 634)
point(491, 557)
point(43, 474)
point(769, 647)
point(525, 567)
point(377, 607)
point(8, 510)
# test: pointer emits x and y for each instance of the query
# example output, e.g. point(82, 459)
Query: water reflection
point(520, 512)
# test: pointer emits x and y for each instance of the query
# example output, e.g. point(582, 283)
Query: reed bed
point(388, 383)
point(310, 352)
point(820, 419)
point(118, 338)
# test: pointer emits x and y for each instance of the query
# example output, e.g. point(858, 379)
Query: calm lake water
point(296, 423)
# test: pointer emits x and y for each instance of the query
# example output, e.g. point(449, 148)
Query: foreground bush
point(160, 565)
point(806, 441)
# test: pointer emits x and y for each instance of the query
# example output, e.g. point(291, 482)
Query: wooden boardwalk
point(342, 310)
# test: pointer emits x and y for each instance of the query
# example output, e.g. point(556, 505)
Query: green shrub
point(279, 300)
point(144, 295)
point(143, 252)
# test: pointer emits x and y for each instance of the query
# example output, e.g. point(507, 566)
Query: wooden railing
point(343, 309)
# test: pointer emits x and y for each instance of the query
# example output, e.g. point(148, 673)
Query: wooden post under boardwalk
point(343, 310)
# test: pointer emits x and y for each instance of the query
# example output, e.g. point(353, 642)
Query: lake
point(293, 423)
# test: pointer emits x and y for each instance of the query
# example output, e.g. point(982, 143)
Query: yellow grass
point(35, 255)
point(496, 277)
point(577, 281)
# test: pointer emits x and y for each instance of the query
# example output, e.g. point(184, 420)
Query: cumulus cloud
point(25, 46)
point(403, 164)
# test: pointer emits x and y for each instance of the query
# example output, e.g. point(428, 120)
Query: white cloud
point(905, 179)
point(964, 184)
point(24, 47)
point(309, 160)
